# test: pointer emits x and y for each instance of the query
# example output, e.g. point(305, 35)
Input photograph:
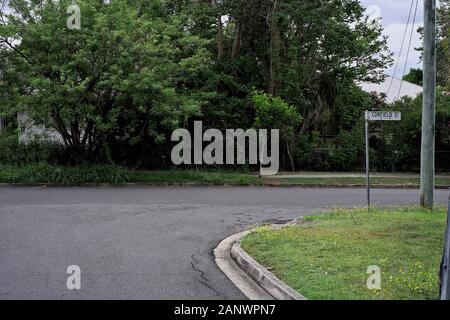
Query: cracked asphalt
point(144, 242)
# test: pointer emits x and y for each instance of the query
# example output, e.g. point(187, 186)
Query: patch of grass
point(361, 181)
point(327, 257)
point(193, 176)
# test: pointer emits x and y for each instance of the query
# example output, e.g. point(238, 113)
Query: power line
point(409, 48)
point(401, 47)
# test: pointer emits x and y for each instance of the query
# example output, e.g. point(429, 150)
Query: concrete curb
point(237, 276)
point(229, 252)
point(267, 280)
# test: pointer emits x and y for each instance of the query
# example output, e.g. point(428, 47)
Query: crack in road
point(204, 279)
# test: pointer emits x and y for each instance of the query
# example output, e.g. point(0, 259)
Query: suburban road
point(144, 242)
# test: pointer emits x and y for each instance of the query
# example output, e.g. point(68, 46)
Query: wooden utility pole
point(427, 172)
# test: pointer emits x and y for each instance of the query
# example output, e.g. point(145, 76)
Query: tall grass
point(44, 173)
point(79, 175)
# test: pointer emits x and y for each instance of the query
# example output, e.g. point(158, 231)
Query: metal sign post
point(376, 116)
point(367, 160)
point(445, 272)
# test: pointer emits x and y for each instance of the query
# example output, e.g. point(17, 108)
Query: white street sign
point(383, 116)
point(376, 116)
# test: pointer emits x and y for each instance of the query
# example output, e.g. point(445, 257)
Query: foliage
point(46, 174)
point(414, 76)
point(279, 38)
point(41, 173)
point(11, 152)
point(36, 151)
point(274, 113)
point(139, 69)
point(124, 77)
point(405, 138)
point(443, 44)
point(344, 153)
point(350, 105)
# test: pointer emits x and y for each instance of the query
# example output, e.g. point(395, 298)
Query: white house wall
point(30, 132)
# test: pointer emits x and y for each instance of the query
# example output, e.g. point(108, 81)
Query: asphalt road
point(143, 242)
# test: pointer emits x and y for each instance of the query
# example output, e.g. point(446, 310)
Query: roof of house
point(392, 91)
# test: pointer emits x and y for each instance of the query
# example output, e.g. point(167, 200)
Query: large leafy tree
point(125, 76)
point(306, 51)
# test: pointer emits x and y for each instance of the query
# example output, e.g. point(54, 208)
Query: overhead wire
point(401, 47)
point(409, 49)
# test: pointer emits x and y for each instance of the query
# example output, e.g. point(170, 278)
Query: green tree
point(274, 113)
point(139, 68)
point(404, 137)
point(125, 76)
point(414, 76)
point(307, 51)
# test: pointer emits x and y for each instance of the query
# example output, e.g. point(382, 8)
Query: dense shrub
point(44, 173)
point(405, 137)
point(344, 153)
point(11, 152)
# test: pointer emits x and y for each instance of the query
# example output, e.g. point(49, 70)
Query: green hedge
point(44, 173)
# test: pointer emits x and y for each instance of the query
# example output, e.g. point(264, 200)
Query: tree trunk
point(288, 149)
point(220, 38)
point(274, 49)
point(237, 41)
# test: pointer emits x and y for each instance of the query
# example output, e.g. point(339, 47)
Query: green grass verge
point(47, 174)
point(361, 181)
point(327, 257)
point(43, 173)
point(193, 176)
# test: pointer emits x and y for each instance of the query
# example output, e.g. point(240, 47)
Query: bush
point(44, 173)
point(12, 152)
point(349, 153)
point(345, 153)
point(404, 138)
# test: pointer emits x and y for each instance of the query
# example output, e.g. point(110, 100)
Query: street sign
point(383, 116)
point(376, 116)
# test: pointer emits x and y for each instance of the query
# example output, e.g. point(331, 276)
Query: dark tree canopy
point(138, 69)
